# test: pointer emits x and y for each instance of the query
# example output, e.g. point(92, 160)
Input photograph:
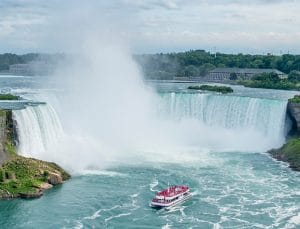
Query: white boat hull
point(180, 200)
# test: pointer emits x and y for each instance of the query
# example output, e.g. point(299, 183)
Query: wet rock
point(30, 195)
point(45, 186)
point(293, 111)
point(55, 179)
point(289, 152)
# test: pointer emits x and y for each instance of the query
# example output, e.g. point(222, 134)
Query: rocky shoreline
point(22, 177)
point(29, 178)
point(290, 151)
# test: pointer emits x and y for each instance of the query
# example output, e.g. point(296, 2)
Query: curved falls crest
point(186, 122)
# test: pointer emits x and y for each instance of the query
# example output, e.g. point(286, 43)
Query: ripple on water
point(222, 200)
point(97, 213)
point(295, 219)
point(153, 184)
point(100, 173)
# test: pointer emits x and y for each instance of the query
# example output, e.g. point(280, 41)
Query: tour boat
point(171, 196)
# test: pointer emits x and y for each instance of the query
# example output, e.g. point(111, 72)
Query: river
point(213, 143)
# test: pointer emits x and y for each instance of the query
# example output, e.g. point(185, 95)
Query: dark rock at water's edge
point(293, 111)
point(22, 177)
point(30, 195)
point(289, 152)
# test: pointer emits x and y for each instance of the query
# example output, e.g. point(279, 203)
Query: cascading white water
point(38, 129)
point(206, 121)
point(265, 116)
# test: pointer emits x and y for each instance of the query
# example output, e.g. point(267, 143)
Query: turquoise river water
point(235, 184)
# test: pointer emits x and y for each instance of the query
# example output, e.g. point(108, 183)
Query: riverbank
point(28, 178)
point(289, 152)
point(22, 177)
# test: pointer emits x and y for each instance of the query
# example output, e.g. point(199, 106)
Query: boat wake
point(101, 173)
point(153, 185)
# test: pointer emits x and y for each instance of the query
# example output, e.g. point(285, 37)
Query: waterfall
point(185, 123)
point(38, 129)
point(266, 116)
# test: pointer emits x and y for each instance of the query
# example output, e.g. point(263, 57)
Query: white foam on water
point(154, 184)
point(97, 213)
point(167, 226)
point(295, 219)
point(117, 216)
point(216, 226)
point(101, 173)
point(78, 225)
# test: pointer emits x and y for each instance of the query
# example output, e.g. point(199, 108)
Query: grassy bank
point(8, 97)
point(289, 152)
point(21, 176)
point(295, 99)
point(28, 177)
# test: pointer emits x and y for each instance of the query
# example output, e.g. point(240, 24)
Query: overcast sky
point(149, 26)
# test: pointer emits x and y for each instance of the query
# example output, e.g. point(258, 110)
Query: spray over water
point(102, 114)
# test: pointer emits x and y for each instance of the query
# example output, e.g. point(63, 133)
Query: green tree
point(294, 76)
point(205, 68)
point(272, 77)
point(191, 71)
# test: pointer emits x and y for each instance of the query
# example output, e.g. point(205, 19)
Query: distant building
point(221, 74)
point(31, 68)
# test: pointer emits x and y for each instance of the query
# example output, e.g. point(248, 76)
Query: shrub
point(46, 173)
point(221, 89)
point(2, 173)
point(8, 97)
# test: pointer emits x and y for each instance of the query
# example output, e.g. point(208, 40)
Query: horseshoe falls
point(263, 116)
point(213, 143)
point(194, 118)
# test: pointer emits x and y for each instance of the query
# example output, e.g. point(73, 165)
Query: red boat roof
point(173, 191)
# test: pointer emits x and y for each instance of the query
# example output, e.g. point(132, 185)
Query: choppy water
point(231, 189)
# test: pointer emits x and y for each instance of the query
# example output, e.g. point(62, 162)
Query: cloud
point(243, 2)
point(34, 25)
point(152, 4)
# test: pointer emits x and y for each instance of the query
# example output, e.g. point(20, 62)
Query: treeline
point(273, 81)
point(8, 59)
point(197, 63)
point(193, 63)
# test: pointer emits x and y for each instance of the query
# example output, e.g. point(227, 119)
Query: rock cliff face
point(19, 176)
point(6, 132)
point(290, 151)
point(293, 110)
